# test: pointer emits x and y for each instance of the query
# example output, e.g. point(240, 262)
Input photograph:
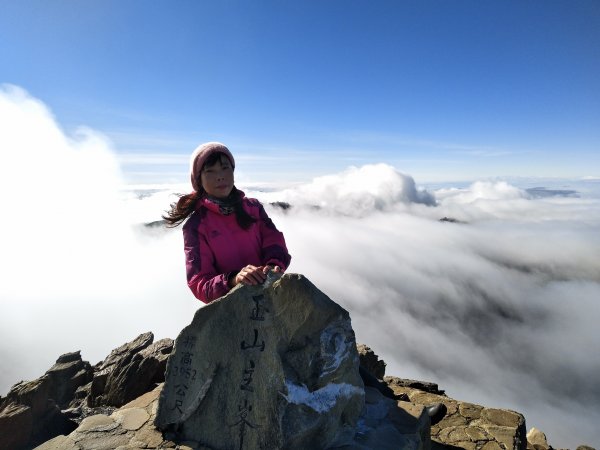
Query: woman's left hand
point(250, 275)
point(267, 269)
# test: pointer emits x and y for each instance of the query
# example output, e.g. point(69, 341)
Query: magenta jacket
point(216, 246)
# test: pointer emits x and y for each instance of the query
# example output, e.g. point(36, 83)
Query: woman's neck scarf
point(226, 205)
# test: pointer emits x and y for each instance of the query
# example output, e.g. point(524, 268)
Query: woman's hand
point(251, 275)
point(267, 269)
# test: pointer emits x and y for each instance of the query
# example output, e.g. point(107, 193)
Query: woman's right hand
point(250, 275)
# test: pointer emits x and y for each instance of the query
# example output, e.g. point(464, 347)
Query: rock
point(33, 394)
point(470, 426)
point(265, 367)
point(69, 357)
point(66, 376)
point(450, 220)
point(29, 414)
point(128, 428)
point(132, 418)
point(129, 371)
point(79, 413)
point(370, 361)
point(116, 361)
point(281, 205)
point(122, 355)
point(59, 443)
point(16, 424)
point(82, 392)
point(585, 447)
point(97, 423)
point(20, 427)
point(385, 424)
point(414, 384)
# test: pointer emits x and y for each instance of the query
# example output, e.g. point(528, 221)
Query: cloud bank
point(75, 273)
point(356, 192)
point(500, 307)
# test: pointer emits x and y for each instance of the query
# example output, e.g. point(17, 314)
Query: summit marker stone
point(265, 367)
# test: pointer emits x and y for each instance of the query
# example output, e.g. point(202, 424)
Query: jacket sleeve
point(202, 277)
point(274, 251)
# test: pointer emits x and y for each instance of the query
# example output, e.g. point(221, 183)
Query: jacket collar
point(218, 207)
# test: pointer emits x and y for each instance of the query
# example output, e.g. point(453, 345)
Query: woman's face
point(217, 180)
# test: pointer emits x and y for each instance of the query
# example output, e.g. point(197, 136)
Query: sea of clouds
point(500, 305)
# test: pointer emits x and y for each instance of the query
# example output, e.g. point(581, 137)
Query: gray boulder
point(16, 425)
point(265, 367)
point(31, 412)
point(370, 361)
point(536, 440)
point(425, 386)
point(129, 371)
point(35, 411)
point(466, 425)
point(66, 376)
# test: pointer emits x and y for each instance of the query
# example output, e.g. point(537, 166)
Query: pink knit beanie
point(199, 157)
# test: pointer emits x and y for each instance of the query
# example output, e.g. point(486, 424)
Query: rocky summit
point(265, 367)
point(72, 389)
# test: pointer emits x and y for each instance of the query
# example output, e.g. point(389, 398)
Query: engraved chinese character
point(254, 345)
point(243, 410)
point(186, 358)
point(258, 312)
point(189, 342)
point(181, 390)
point(178, 405)
point(247, 378)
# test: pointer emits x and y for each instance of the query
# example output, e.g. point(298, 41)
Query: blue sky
point(441, 90)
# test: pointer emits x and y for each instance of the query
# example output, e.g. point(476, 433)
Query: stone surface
point(149, 437)
point(131, 418)
point(16, 422)
point(537, 439)
point(97, 423)
point(129, 371)
point(30, 393)
point(59, 443)
point(128, 428)
point(370, 361)
point(385, 424)
point(265, 367)
point(467, 425)
point(415, 384)
point(72, 390)
point(29, 414)
point(66, 376)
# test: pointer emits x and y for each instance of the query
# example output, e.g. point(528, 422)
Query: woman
point(229, 239)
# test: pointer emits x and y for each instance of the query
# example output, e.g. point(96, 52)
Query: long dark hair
point(181, 209)
point(187, 203)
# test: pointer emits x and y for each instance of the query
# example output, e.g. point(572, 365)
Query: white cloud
point(75, 274)
point(498, 313)
point(357, 191)
point(501, 310)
